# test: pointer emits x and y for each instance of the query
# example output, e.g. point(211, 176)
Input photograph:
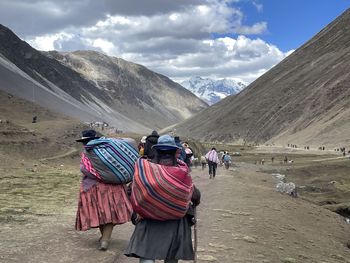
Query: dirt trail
point(331, 159)
point(70, 151)
point(241, 219)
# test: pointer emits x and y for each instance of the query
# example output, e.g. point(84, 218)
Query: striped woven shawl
point(111, 160)
point(161, 192)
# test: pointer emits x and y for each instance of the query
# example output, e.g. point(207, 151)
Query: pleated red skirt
point(102, 204)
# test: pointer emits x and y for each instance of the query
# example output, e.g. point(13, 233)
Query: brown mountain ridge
point(304, 100)
point(91, 87)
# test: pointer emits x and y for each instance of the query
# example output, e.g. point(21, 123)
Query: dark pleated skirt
point(154, 239)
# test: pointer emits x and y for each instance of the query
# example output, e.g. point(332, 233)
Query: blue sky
point(292, 22)
point(236, 39)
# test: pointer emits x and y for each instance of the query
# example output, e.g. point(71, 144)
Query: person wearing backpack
point(203, 162)
point(189, 154)
point(163, 225)
point(101, 205)
point(227, 160)
point(213, 161)
point(182, 153)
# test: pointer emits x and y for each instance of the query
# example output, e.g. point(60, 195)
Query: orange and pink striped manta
point(161, 192)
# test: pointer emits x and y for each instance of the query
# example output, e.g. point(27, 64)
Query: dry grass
point(52, 188)
point(25, 195)
point(321, 177)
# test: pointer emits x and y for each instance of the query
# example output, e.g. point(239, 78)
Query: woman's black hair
point(165, 155)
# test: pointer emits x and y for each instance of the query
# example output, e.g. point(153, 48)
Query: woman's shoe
point(104, 245)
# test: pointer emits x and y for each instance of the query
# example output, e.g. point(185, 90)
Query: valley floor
point(241, 219)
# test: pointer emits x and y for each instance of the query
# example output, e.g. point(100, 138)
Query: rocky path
point(241, 219)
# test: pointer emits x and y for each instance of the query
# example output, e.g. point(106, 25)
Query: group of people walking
point(155, 191)
point(212, 159)
point(148, 184)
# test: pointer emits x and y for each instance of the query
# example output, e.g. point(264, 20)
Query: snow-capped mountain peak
point(211, 90)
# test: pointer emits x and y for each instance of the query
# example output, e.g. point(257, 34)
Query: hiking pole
point(195, 235)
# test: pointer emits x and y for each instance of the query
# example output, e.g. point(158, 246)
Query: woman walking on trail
point(101, 204)
point(213, 161)
point(157, 234)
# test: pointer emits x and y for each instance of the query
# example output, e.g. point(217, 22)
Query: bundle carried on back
point(111, 160)
point(161, 192)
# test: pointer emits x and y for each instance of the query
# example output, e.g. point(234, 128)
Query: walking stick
point(195, 235)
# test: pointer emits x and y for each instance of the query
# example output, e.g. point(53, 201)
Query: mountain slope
point(135, 99)
point(211, 90)
point(305, 99)
point(23, 143)
point(136, 91)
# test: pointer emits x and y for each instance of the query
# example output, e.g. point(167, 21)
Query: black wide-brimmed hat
point(88, 135)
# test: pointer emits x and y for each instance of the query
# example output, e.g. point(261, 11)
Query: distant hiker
point(227, 160)
point(272, 159)
point(182, 155)
point(222, 157)
point(195, 161)
point(203, 162)
point(35, 118)
point(189, 154)
point(285, 159)
point(213, 161)
point(150, 141)
point(141, 146)
point(262, 161)
point(103, 205)
point(162, 225)
point(343, 150)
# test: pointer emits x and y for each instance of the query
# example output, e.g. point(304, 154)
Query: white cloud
point(50, 42)
point(240, 58)
point(259, 7)
point(178, 43)
point(105, 45)
point(256, 29)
